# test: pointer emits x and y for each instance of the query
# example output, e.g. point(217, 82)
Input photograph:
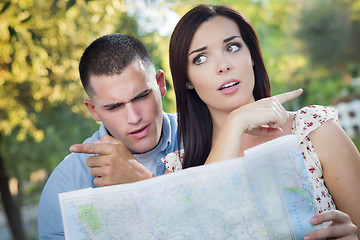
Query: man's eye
point(199, 60)
point(113, 107)
point(233, 47)
point(142, 96)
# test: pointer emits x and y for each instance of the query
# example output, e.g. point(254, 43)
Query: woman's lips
point(229, 87)
point(142, 132)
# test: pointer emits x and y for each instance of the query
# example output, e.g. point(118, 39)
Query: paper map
point(264, 195)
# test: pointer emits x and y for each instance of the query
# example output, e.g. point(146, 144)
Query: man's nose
point(133, 113)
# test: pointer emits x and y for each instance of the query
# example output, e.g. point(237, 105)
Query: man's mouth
point(137, 131)
point(141, 132)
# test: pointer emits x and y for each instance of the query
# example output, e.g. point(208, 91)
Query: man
point(125, 94)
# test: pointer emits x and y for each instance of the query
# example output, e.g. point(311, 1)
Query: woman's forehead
point(217, 28)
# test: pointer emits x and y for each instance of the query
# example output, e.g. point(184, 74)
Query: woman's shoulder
point(310, 118)
point(317, 112)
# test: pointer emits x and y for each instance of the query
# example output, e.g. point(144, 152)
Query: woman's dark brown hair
point(195, 123)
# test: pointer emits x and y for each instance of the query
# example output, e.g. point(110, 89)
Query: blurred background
point(312, 44)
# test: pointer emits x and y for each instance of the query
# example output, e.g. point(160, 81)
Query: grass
point(357, 143)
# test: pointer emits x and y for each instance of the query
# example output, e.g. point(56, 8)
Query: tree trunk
point(11, 207)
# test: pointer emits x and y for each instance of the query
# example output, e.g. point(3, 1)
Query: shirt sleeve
point(50, 224)
point(71, 174)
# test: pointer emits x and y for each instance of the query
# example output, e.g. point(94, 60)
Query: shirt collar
point(103, 130)
point(166, 133)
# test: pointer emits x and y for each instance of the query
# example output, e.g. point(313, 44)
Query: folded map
point(264, 195)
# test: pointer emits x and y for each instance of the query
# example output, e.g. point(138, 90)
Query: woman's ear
point(189, 86)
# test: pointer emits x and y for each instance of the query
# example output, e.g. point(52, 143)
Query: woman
point(223, 101)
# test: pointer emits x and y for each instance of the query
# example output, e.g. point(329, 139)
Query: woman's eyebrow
point(230, 38)
point(204, 48)
point(198, 50)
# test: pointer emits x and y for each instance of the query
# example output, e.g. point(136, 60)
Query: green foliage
point(323, 91)
point(40, 44)
point(330, 32)
point(62, 127)
point(357, 143)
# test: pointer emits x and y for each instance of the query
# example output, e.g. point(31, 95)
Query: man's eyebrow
point(112, 105)
point(141, 94)
point(204, 48)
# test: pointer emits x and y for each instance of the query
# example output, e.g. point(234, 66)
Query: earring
point(189, 86)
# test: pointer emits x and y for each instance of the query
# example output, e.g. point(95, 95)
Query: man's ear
point(91, 107)
point(160, 80)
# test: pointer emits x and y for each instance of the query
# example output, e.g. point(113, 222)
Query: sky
point(153, 15)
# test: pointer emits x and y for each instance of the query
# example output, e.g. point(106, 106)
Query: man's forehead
point(123, 87)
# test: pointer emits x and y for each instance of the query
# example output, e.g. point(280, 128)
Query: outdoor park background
point(312, 44)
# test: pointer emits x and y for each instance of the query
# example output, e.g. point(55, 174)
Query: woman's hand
point(266, 116)
point(340, 228)
point(263, 117)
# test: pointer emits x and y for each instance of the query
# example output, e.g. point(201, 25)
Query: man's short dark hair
point(109, 55)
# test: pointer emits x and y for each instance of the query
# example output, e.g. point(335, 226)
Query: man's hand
point(114, 163)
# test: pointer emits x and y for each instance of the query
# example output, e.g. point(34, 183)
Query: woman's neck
point(218, 119)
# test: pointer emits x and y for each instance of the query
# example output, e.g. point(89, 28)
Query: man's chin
point(142, 149)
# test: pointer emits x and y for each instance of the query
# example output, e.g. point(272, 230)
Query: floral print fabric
point(307, 120)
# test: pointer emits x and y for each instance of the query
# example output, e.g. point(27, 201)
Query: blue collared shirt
point(73, 174)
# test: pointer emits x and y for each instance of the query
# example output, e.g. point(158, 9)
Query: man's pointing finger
point(90, 148)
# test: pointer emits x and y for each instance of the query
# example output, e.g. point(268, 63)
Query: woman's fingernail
point(306, 237)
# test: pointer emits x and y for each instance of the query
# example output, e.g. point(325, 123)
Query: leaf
point(69, 4)
point(12, 32)
point(6, 6)
point(26, 19)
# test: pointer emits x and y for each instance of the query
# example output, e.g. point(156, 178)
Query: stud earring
point(189, 86)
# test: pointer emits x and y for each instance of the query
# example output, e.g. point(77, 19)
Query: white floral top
point(305, 121)
point(173, 161)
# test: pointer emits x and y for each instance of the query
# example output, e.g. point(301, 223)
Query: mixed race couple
point(224, 107)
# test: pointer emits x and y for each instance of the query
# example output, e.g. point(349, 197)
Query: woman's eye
point(199, 60)
point(233, 48)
